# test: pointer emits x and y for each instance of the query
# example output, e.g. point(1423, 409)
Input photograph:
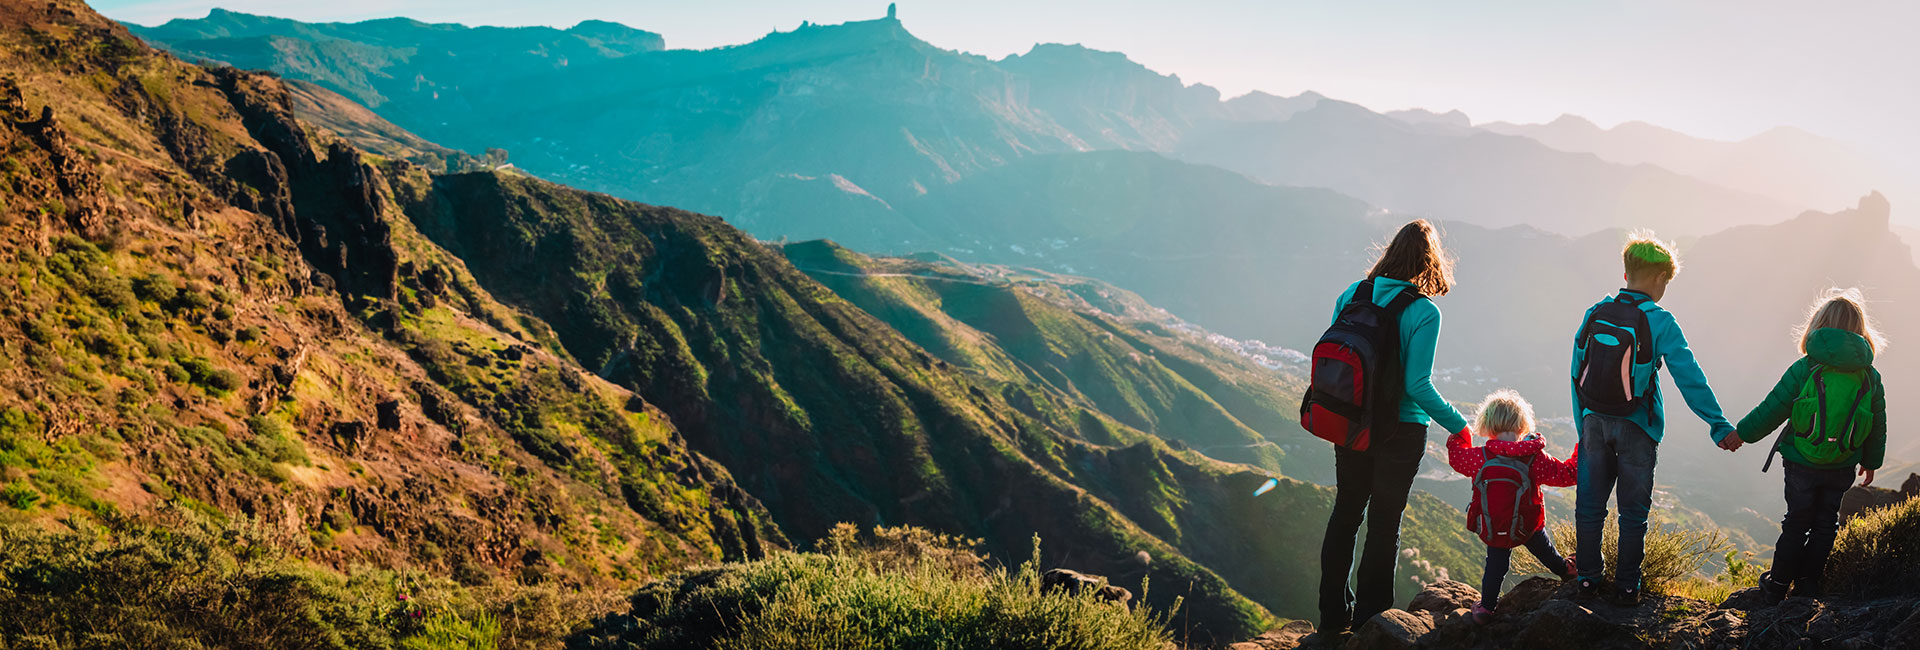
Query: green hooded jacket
point(1838, 349)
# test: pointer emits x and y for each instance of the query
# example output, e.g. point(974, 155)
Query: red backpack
point(1357, 379)
point(1500, 486)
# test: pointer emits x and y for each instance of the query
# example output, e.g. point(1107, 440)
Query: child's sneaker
point(1592, 589)
point(1572, 570)
point(1480, 614)
point(1624, 597)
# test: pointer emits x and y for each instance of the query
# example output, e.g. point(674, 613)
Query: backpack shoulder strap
point(1644, 330)
point(1403, 300)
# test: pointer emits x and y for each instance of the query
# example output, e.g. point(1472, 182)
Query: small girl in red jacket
point(1507, 510)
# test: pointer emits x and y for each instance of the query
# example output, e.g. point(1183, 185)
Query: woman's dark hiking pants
point(1372, 484)
point(1807, 532)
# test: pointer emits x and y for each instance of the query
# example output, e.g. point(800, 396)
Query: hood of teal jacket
point(1840, 349)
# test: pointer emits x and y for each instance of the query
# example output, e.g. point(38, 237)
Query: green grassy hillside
point(829, 415)
point(1012, 326)
point(210, 309)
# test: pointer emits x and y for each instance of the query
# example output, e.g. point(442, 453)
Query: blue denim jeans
point(1614, 454)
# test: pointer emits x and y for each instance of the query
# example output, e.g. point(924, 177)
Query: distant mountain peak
point(1569, 120)
point(1453, 119)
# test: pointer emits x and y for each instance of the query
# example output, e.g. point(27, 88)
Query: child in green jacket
point(1836, 411)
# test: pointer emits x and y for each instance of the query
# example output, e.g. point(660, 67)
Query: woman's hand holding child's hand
point(1732, 442)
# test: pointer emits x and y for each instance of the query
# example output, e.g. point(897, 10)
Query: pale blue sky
point(1716, 68)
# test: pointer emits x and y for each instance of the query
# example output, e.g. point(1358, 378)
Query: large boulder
point(1075, 582)
point(1286, 637)
point(1906, 635)
point(1747, 600)
point(1454, 629)
point(1394, 629)
point(1529, 595)
point(1444, 596)
point(1571, 625)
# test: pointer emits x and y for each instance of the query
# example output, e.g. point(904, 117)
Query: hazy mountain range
point(868, 111)
point(1784, 163)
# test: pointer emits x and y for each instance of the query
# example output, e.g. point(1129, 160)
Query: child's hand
point(1866, 477)
point(1732, 442)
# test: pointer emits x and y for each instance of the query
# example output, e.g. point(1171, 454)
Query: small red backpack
point(1500, 486)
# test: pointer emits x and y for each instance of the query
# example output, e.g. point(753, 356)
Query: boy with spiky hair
point(1623, 342)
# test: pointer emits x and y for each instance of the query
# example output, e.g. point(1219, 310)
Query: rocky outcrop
point(1863, 498)
point(1075, 582)
point(1545, 613)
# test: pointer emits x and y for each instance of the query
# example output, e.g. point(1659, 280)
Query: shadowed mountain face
point(828, 131)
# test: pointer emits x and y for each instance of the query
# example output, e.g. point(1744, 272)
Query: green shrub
point(1877, 553)
point(1675, 556)
point(18, 495)
point(204, 374)
point(113, 293)
point(191, 583)
point(154, 288)
point(189, 299)
point(447, 630)
point(275, 441)
point(808, 600)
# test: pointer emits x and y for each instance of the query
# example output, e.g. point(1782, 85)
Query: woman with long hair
point(1375, 483)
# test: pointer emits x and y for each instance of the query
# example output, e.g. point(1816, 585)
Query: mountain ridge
point(857, 101)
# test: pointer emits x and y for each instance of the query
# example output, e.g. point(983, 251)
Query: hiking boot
point(1774, 590)
point(1572, 572)
point(1480, 614)
point(1592, 589)
point(1624, 597)
point(1807, 588)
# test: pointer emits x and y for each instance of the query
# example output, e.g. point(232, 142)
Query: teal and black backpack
point(1617, 360)
point(1832, 416)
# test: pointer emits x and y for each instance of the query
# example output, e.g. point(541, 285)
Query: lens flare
point(1267, 486)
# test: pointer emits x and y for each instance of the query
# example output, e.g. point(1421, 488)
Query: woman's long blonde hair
point(1505, 411)
point(1841, 309)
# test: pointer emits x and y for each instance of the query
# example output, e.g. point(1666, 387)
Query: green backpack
point(1832, 416)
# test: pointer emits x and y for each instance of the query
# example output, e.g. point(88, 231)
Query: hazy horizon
point(1831, 71)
